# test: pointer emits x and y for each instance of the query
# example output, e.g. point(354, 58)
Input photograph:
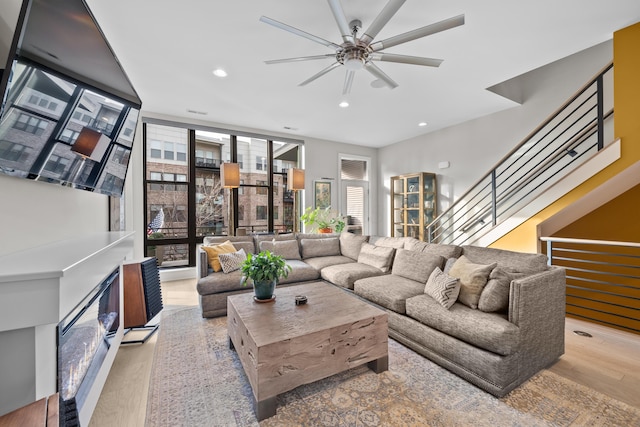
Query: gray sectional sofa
point(497, 330)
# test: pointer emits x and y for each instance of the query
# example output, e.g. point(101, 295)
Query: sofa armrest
point(202, 263)
point(537, 307)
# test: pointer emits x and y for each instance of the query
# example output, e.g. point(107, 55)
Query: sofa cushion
point(495, 296)
point(389, 291)
point(389, 242)
point(220, 282)
point(376, 256)
point(320, 247)
point(446, 251)
point(518, 261)
point(345, 275)
point(287, 249)
point(270, 237)
point(300, 272)
point(489, 331)
point(442, 288)
point(473, 278)
point(232, 261)
point(215, 250)
point(350, 244)
point(325, 261)
point(415, 265)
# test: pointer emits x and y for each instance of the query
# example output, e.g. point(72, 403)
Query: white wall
point(476, 146)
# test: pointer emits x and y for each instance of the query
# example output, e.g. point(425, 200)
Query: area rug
point(197, 380)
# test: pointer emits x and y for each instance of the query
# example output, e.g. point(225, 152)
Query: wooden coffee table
point(282, 345)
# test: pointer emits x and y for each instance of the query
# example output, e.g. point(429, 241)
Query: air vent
point(202, 113)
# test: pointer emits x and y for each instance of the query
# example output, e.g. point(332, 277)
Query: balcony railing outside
point(564, 141)
point(603, 280)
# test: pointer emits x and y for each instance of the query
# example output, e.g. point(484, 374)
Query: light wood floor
point(609, 362)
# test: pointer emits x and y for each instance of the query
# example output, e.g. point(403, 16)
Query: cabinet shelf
point(413, 204)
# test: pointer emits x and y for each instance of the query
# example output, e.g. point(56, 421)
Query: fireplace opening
point(84, 338)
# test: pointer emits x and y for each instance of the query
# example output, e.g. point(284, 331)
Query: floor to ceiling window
point(184, 197)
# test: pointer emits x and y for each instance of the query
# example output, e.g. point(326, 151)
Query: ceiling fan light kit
point(359, 52)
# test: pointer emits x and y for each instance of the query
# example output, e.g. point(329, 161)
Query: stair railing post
point(494, 199)
point(600, 91)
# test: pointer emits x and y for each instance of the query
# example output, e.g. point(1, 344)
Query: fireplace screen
point(84, 337)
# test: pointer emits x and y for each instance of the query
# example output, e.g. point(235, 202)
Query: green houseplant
point(322, 220)
point(264, 270)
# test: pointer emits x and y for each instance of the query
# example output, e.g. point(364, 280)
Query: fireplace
point(84, 338)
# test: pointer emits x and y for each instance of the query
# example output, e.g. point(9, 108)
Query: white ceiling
point(169, 48)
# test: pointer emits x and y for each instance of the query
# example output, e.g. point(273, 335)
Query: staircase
point(570, 138)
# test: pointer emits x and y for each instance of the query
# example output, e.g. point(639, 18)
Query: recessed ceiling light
point(422, 124)
point(344, 104)
point(219, 72)
point(377, 83)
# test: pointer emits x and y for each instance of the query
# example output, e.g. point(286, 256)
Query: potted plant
point(264, 270)
point(322, 220)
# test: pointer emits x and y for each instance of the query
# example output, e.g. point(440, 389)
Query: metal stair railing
point(565, 140)
point(603, 279)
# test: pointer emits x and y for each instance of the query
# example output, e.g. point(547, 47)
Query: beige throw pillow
point(473, 279)
point(376, 256)
point(232, 261)
point(442, 288)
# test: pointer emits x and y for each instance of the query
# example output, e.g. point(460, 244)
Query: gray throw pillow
point(287, 249)
point(473, 279)
point(415, 265)
point(350, 244)
point(376, 256)
point(495, 295)
point(442, 288)
point(312, 248)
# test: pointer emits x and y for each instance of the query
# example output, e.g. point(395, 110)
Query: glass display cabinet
point(413, 204)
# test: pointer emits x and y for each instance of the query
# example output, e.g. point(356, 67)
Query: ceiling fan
point(360, 51)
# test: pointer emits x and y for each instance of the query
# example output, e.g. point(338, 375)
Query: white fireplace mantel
point(38, 288)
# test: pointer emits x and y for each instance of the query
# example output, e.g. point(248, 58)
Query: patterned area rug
point(197, 380)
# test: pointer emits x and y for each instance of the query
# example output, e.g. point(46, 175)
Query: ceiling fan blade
point(299, 59)
point(341, 19)
point(320, 74)
point(406, 59)
point(418, 33)
point(348, 81)
point(381, 20)
point(298, 32)
point(378, 73)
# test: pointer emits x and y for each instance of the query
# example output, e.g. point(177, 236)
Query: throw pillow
point(350, 244)
point(442, 288)
point(376, 256)
point(232, 261)
point(312, 248)
point(449, 264)
point(415, 265)
point(215, 250)
point(287, 249)
point(473, 278)
point(495, 296)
